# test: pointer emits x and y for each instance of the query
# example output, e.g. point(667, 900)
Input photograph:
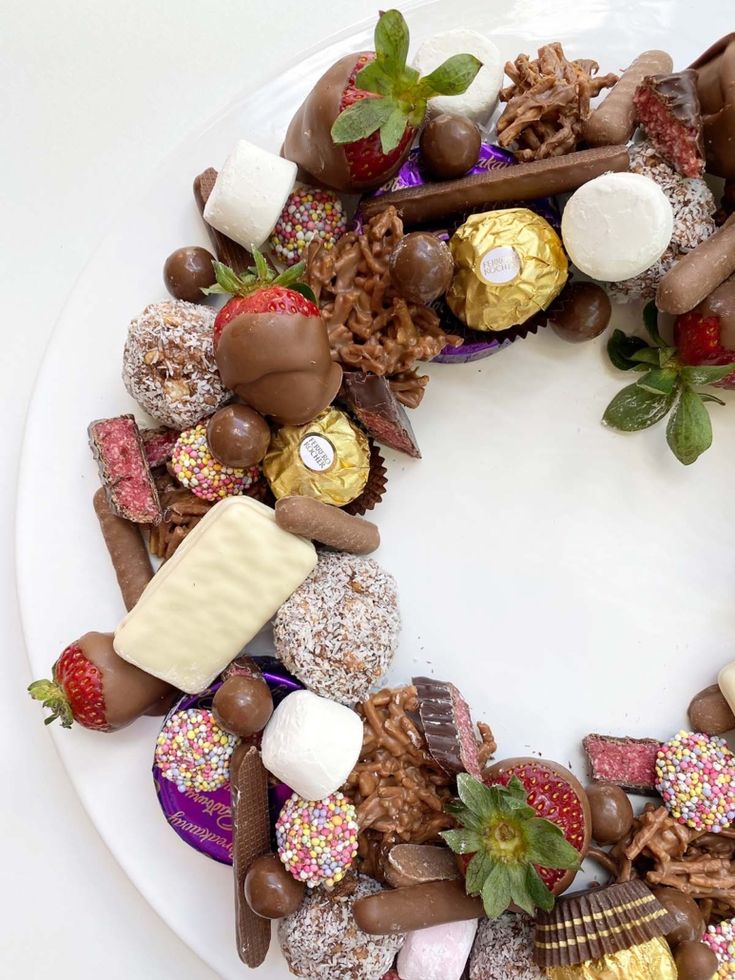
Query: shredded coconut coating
point(339, 631)
point(169, 366)
point(694, 208)
point(322, 941)
point(503, 949)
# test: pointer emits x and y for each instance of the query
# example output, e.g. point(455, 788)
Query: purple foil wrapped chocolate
point(477, 344)
point(204, 819)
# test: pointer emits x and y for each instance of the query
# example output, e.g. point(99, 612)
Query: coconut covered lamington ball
point(339, 631)
point(169, 366)
point(322, 941)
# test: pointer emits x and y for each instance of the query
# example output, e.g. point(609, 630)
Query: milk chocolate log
point(416, 907)
point(326, 524)
point(697, 273)
point(127, 550)
point(716, 89)
point(279, 364)
point(525, 181)
point(613, 121)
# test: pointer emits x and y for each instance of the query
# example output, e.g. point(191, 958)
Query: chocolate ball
point(689, 921)
point(449, 145)
point(710, 713)
point(421, 267)
point(612, 813)
point(238, 436)
point(187, 271)
point(270, 890)
point(695, 961)
point(243, 705)
point(582, 312)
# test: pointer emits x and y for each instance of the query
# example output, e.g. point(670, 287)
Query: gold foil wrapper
point(328, 458)
point(508, 265)
point(649, 961)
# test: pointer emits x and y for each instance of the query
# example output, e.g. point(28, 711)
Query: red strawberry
point(261, 291)
point(94, 687)
point(356, 126)
point(699, 341)
point(556, 795)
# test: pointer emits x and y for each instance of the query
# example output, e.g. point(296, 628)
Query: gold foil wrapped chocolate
point(649, 961)
point(509, 265)
point(328, 459)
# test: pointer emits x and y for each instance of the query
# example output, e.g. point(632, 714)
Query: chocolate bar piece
point(158, 444)
point(227, 251)
point(626, 762)
point(124, 471)
point(250, 840)
point(445, 717)
point(667, 106)
point(371, 400)
point(523, 182)
point(127, 549)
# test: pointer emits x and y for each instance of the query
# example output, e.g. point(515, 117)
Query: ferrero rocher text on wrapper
point(509, 265)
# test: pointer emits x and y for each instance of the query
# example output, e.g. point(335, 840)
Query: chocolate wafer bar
point(250, 840)
point(626, 762)
point(124, 471)
point(227, 251)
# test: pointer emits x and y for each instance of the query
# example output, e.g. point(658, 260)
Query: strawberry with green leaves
point(510, 845)
point(356, 126)
point(671, 378)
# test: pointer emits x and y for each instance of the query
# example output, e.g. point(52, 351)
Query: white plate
point(568, 579)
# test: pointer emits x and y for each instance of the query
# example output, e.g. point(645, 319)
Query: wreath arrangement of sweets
point(400, 225)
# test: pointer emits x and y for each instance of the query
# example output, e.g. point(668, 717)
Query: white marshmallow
point(617, 226)
point(249, 194)
point(437, 953)
point(311, 744)
point(481, 97)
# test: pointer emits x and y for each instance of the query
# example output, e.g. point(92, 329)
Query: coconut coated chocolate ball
point(270, 890)
point(449, 145)
point(421, 267)
point(611, 811)
point(187, 271)
point(243, 705)
point(238, 436)
point(582, 312)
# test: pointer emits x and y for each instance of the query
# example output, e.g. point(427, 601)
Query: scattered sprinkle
point(695, 775)
point(195, 468)
point(309, 213)
point(317, 839)
point(194, 752)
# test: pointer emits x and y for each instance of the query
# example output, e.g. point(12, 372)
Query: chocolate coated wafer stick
point(227, 251)
point(127, 550)
point(698, 272)
point(522, 182)
point(613, 121)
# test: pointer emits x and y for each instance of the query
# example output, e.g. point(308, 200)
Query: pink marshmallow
point(437, 953)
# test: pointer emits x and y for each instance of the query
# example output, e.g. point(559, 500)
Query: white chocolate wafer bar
point(223, 584)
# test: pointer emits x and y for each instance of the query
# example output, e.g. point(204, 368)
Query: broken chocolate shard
point(158, 444)
point(371, 400)
point(626, 762)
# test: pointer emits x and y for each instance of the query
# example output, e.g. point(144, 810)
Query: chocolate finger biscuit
point(699, 272)
point(127, 549)
point(329, 525)
point(613, 121)
point(432, 903)
point(526, 181)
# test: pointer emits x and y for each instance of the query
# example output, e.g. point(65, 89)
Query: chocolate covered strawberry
point(356, 126)
point(700, 341)
point(94, 687)
point(271, 344)
point(516, 851)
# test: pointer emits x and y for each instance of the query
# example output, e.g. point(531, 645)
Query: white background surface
point(95, 94)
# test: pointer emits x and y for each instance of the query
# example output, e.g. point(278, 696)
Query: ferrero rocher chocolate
point(509, 265)
point(649, 961)
point(328, 459)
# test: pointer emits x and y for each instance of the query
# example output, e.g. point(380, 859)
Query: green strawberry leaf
point(647, 356)
point(463, 841)
point(548, 847)
point(228, 281)
point(464, 816)
point(621, 348)
point(476, 796)
point(496, 891)
point(361, 119)
point(538, 891)
point(452, 77)
point(660, 381)
point(650, 321)
point(706, 396)
point(705, 374)
point(391, 39)
point(477, 872)
point(633, 409)
point(305, 290)
point(374, 77)
point(391, 132)
point(689, 432)
point(518, 888)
